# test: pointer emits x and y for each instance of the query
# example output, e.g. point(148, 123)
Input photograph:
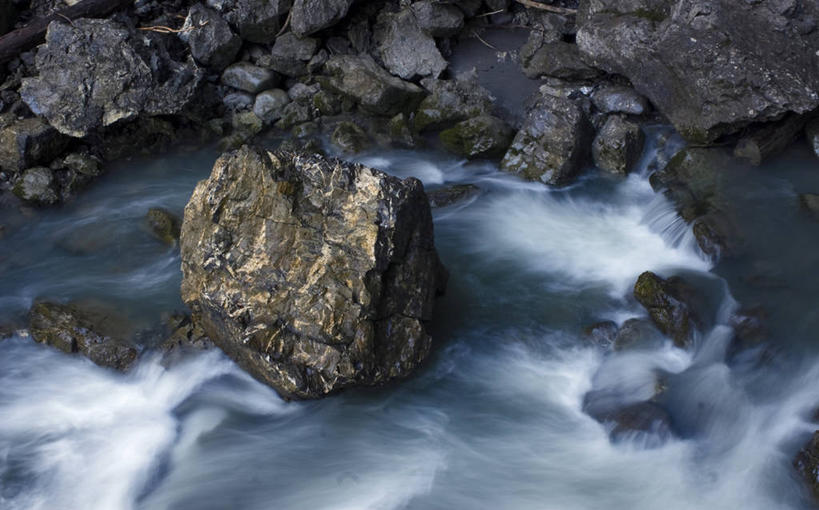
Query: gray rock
point(291, 54)
point(618, 145)
point(302, 92)
point(812, 134)
point(37, 185)
point(452, 101)
point(637, 334)
point(406, 50)
point(350, 138)
point(163, 225)
point(310, 16)
point(438, 19)
point(668, 305)
point(553, 143)
point(270, 104)
point(257, 21)
point(602, 333)
point(210, 38)
point(618, 99)
point(82, 164)
point(293, 114)
point(711, 66)
point(237, 101)
point(28, 142)
point(557, 59)
point(98, 334)
point(93, 73)
point(313, 275)
point(484, 136)
point(249, 78)
point(375, 90)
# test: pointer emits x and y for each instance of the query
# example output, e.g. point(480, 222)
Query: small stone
point(617, 99)
point(269, 105)
point(249, 78)
point(247, 124)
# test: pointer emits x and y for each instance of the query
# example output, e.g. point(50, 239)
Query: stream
point(493, 420)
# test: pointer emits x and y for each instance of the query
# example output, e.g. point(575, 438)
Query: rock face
point(93, 73)
point(310, 16)
point(667, 304)
point(361, 79)
point(553, 143)
point(96, 334)
point(313, 275)
point(618, 145)
point(406, 49)
point(711, 66)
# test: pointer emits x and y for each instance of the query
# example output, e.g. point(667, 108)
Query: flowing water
point(494, 420)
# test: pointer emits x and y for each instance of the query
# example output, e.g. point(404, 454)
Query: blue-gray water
point(493, 420)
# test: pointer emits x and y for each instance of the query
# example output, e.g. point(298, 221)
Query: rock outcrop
point(94, 73)
point(711, 66)
point(314, 275)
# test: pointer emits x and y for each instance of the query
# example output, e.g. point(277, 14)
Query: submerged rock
point(94, 73)
point(164, 225)
point(618, 145)
point(667, 303)
point(96, 333)
point(601, 334)
point(350, 138)
point(553, 143)
point(484, 136)
point(313, 274)
point(711, 67)
point(637, 334)
point(449, 195)
point(374, 89)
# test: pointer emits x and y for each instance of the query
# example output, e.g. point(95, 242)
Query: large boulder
point(310, 16)
point(94, 73)
point(711, 66)
point(314, 275)
point(374, 89)
point(553, 143)
point(405, 48)
point(98, 333)
point(210, 38)
point(668, 305)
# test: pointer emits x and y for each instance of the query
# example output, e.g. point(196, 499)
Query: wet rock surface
point(210, 38)
point(28, 142)
point(668, 305)
point(553, 143)
point(164, 225)
point(618, 145)
point(806, 463)
point(452, 101)
point(483, 136)
point(406, 50)
point(449, 195)
point(95, 332)
point(706, 64)
point(314, 275)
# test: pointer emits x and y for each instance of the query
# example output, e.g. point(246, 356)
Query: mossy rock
point(484, 136)
point(668, 305)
